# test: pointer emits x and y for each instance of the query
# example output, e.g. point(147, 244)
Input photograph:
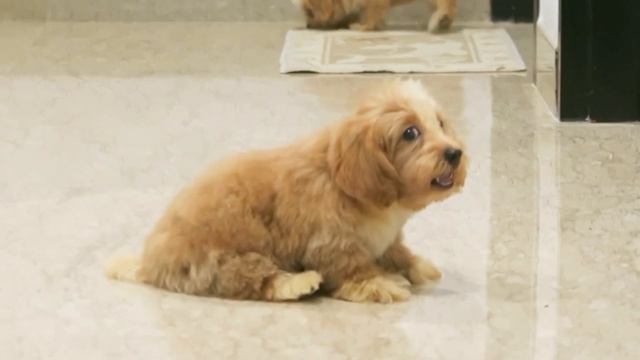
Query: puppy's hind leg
point(249, 276)
point(254, 276)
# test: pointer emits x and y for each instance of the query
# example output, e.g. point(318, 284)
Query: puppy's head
point(398, 147)
point(323, 14)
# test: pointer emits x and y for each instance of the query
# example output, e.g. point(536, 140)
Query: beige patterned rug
point(342, 51)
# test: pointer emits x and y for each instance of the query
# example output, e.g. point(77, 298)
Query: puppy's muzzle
point(452, 156)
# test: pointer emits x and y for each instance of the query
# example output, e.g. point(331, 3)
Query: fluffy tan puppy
point(323, 213)
point(367, 14)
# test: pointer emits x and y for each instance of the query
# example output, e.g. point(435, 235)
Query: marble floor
point(100, 124)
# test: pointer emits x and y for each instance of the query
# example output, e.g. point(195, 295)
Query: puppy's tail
point(124, 269)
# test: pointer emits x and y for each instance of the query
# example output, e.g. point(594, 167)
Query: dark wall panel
point(512, 10)
point(600, 60)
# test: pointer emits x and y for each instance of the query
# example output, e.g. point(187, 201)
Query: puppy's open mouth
point(443, 181)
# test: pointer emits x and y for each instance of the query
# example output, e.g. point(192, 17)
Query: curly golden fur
point(323, 213)
point(367, 15)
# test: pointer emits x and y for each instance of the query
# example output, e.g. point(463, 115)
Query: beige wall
point(194, 10)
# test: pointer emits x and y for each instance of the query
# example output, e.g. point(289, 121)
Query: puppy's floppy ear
point(359, 164)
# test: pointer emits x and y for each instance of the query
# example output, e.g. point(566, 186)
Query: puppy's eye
point(441, 123)
point(411, 133)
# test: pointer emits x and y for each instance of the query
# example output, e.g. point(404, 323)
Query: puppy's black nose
point(452, 156)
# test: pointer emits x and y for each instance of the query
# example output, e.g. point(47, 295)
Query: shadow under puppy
point(367, 14)
point(325, 212)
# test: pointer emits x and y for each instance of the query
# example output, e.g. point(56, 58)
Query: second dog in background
point(367, 15)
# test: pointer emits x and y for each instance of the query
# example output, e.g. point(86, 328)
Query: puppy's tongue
point(445, 180)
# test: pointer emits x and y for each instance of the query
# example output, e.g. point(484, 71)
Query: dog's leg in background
point(398, 258)
point(443, 15)
point(372, 15)
point(351, 274)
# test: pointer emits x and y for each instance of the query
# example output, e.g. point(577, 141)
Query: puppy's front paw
point(293, 286)
point(422, 271)
point(440, 21)
point(377, 289)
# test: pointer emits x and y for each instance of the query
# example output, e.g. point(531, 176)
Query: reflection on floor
point(100, 124)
